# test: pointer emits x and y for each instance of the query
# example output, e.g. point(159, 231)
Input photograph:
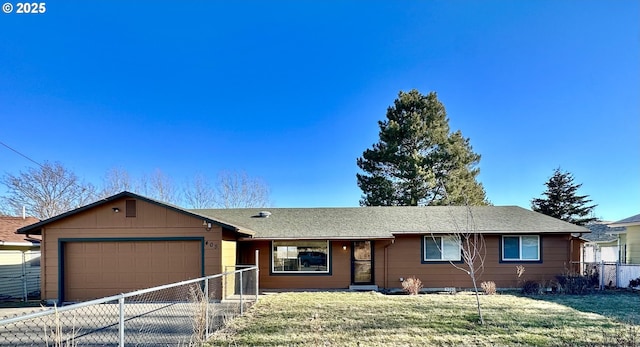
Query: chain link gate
point(183, 313)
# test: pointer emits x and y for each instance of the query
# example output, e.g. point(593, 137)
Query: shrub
point(575, 284)
point(531, 288)
point(519, 273)
point(412, 285)
point(635, 283)
point(489, 288)
point(519, 270)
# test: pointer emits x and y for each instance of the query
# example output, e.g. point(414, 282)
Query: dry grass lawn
point(373, 319)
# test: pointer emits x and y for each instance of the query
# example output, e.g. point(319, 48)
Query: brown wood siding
point(152, 221)
point(340, 265)
point(404, 260)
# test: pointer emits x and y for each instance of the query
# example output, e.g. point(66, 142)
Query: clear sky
point(291, 91)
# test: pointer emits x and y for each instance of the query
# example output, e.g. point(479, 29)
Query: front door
point(362, 262)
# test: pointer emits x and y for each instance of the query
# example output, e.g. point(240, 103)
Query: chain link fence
point(19, 275)
point(178, 314)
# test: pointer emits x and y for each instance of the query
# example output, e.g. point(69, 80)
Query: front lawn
point(373, 319)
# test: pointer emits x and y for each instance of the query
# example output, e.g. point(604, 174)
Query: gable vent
point(130, 208)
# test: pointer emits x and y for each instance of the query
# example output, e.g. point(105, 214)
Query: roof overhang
point(630, 224)
point(36, 229)
point(19, 244)
point(331, 238)
point(488, 232)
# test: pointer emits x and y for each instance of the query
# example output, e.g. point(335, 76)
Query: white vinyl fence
point(612, 274)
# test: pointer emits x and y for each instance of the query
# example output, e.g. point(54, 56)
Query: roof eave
point(36, 228)
point(492, 232)
point(19, 244)
point(339, 238)
point(630, 224)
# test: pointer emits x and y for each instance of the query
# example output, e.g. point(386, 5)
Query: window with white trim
point(300, 257)
point(521, 248)
point(441, 248)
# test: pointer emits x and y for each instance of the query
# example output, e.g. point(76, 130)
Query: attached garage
point(104, 267)
point(129, 242)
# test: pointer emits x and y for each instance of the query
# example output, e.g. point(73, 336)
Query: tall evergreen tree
point(417, 160)
point(561, 200)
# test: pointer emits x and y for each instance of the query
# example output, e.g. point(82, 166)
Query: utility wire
point(20, 154)
point(93, 194)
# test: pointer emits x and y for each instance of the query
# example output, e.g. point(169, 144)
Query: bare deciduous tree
point(237, 189)
point(115, 181)
point(158, 186)
point(473, 250)
point(232, 189)
point(45, 191)
point(199, 193)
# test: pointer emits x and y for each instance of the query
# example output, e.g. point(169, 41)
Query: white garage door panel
point(98, 269)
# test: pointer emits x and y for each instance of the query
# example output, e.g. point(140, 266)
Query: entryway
point(362, 265)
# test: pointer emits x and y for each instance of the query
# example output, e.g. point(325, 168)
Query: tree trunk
point(475, 287)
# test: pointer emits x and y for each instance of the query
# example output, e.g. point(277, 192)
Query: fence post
point(24, 276)
point(601, 275)
point(121, 327)
point(241, 303)
point(257, 275)
point(206, 308)
point(224, 283)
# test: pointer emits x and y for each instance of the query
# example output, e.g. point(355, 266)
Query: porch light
point(116, 209)
point(344, 248)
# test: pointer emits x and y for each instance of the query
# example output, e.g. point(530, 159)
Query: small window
point(441, 248)
point(521, 248)
point(300, 257)
point(130, 208)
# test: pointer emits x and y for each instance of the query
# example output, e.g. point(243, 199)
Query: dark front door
point(362, 262)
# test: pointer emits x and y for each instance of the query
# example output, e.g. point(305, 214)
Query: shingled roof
point(633, 220)
point(600, 232)
point(9, 225)
point(356, 222)
point(384, 222)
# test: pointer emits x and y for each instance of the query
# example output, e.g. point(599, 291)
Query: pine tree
point(561, 200)
point(417, 160)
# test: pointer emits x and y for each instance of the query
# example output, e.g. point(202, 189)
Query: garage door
point(98, 269)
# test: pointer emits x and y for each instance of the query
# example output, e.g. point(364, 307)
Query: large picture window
point(521, 248)
point(441, 248)
point(300, 257)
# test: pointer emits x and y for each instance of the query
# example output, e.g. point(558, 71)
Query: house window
point(300, 257)
point(441, 248)
point(521, 248)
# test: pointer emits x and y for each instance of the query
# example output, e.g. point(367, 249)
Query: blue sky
point(292, 91)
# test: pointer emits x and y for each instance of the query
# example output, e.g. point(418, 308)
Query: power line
point(20, 154)
point(92, 193)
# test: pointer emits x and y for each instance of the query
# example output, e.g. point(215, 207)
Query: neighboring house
point(629, 239)
point(602, 244)
point(19, 259)
point(127, 241)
